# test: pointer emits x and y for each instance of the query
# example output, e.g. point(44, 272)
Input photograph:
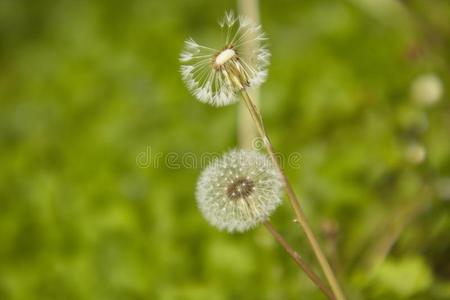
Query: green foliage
point(404, 277)
point(87, 86)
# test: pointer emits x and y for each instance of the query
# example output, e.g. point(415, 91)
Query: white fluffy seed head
point(239, 191)
point(427, 89)
point(215, 75)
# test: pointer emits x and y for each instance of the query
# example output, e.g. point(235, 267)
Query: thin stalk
point(299, 261)
point(300, 215)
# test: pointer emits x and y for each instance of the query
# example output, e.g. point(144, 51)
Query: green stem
point(300, 215)
point(299, 261)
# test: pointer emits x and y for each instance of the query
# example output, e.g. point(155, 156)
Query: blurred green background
point(89, 88)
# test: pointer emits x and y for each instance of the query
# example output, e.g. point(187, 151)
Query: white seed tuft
point(217, 74)
point(239, 191)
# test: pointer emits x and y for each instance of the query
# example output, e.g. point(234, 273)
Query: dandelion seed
point(239, 190)
point(214, 76)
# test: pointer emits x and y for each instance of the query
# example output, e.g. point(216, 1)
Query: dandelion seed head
point(427, 89)
point(239, 191)
point(215, 75)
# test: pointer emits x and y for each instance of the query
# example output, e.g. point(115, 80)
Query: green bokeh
point(91, 105)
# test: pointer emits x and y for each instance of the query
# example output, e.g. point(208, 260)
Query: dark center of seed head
point(241, 187)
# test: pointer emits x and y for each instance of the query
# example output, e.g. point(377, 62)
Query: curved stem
point(300, 215)
point(299, 261)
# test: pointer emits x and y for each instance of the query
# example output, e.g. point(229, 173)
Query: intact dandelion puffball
point(427, 89)
point(239, 191)
point(215, 75)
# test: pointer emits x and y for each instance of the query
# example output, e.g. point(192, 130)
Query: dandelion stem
point(299, 261)
point(300, 215)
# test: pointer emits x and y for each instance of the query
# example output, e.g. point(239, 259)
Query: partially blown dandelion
point(239, 191)
point(214, 76)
